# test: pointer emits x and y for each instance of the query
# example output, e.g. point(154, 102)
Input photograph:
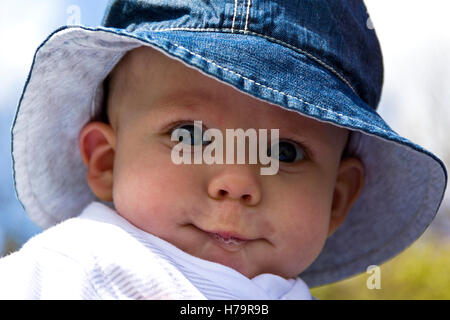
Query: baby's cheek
point(146, 193)
point(303, 252)
point(141, 205)
point(305, 233)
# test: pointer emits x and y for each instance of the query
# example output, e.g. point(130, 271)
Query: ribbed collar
point(214, 280)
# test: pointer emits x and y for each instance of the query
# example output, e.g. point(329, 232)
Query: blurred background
point(415, 102)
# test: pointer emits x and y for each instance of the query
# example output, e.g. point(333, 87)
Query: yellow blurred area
point(421, 272)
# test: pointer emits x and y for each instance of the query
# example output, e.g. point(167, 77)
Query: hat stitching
point(234, 16)
point(226, 30)
point(268, 38)
point(275, 90)
point(278, 91)
point(246, 18)
point(241, 13)
point(241, 20)
point(255, 82)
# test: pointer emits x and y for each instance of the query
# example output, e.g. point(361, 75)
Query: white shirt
point(100, 255)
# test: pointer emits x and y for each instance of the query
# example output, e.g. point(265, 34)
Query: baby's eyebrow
point(192, 99)
point(172, 109)
point(169, 111)
point(167, 108)
point(196, 102)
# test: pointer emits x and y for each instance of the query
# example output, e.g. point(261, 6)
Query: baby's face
point(286, 217)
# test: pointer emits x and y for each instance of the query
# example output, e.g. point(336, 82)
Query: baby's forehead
point(229, 103)
point(167, 86)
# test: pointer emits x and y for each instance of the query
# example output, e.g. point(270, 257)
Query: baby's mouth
point(227, 240)
point(228, 243)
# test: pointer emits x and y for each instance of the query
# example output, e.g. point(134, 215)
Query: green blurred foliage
point(421, 272)
point(10, 246)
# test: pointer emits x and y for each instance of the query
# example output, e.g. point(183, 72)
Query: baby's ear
point(97, 142)
point(349, 184)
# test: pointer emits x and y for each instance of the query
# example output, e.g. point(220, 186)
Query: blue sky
point(414, 38)
point(22, 31)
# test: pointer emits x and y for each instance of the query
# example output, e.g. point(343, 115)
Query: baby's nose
point(236, 185)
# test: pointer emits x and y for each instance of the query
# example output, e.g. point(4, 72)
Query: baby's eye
point(288, 151)
point(194, 131)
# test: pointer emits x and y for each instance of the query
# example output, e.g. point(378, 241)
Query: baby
point(284, 219)
point(95, 134)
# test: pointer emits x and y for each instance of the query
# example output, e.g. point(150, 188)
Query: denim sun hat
point(314, 57)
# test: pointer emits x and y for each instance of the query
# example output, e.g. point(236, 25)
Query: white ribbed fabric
point(100, 255)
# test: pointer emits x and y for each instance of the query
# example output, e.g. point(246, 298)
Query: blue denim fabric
point(315, 57)
point(332, 33)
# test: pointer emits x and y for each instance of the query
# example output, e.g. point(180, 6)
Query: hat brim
point(404, 183)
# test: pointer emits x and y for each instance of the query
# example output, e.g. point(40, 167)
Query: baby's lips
point(228, 235)
point(230, 244)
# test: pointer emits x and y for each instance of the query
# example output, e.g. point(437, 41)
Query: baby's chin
point(236, 260)
point(239, 261)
